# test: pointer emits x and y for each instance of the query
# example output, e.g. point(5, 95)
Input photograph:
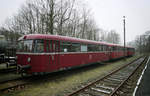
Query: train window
point(114, 48)
point(52, 46)
point(39, 46)
point(109, 48)
point(83, 48)
point(118, 48)
point(100, 47)
point(20, 46)
point(104, 48)
point(57, 46)
point(47, 46)
point(25, 46)
point(97, 48)
point(91, 47)
point(122, 48)
point(75, 47)
point(65, 47)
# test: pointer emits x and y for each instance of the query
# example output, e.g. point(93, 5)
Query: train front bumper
point(23, 68)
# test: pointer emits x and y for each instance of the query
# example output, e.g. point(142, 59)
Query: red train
point(39, 53)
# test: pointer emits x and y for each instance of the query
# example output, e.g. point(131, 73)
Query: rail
point(109, 84)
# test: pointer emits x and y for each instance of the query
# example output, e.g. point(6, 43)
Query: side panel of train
point(130, 52)
point(54, 62)
point(117, 52)
point(76, 59)
point(115, 55)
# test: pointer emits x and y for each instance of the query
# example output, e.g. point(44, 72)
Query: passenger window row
point(64, 46)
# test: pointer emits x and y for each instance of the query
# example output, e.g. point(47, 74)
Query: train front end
point(23, 53)
point(29, 58)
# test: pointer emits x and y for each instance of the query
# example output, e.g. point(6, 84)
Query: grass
point(68, 83)
point(4, 76)
point(3, 66)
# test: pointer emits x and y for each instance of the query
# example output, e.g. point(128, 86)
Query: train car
point(117, 51)
point(39, 53)
point(130, 51)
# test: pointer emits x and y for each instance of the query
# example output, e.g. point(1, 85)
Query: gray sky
point(8, 8)
point(107, 13)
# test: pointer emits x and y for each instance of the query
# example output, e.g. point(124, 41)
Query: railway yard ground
point(64, 82)
point(6, 74)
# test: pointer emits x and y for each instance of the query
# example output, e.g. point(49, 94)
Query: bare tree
point(142, 43)
point(113, 37)
point(64, 14)
point(61, 17)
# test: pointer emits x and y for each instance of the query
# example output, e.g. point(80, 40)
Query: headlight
point(29, 59)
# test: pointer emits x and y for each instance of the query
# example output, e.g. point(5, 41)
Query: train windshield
point(25, 46)
point(36, 46)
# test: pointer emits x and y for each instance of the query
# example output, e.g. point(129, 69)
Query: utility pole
point(124, 27)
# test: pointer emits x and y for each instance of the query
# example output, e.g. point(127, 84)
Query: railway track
point(9, 80)
point(13, 84)
point(9, 70)
point(16, 85)
point(111, 83)
point(21, 82)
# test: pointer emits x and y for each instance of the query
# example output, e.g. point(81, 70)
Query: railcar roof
point(58, 37)
point(65, 38)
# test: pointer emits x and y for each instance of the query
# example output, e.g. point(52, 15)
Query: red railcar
point(38, 53)
point(130, 51)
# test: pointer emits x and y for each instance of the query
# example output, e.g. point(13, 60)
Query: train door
point(54, 56)
point(109, 52)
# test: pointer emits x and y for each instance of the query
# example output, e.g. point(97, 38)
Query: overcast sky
point(8, 8)
point(107, 13)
